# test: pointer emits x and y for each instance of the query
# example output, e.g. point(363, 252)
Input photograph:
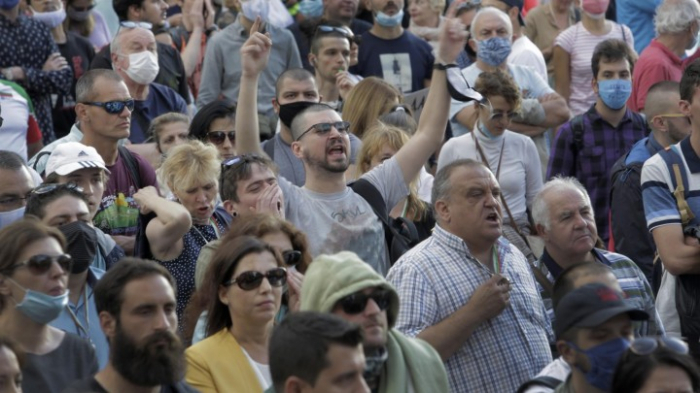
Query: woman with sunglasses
point(512, 157)
point(656, 365)
point(215, 124)
point(84, 20)
point(33, 292)
point(246, 279)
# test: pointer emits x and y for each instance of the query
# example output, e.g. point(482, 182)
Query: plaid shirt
point(590, 159)
point(438, 276)
point(632, 281)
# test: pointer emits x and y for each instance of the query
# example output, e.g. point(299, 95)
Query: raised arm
point(433, 121)
point(171, 223)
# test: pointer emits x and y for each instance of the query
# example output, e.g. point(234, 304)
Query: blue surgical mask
point(311, 8)
point(7, 218)
point(40, 307)
point(485, 131)
point(8, 4)
point(603, 359)
point(494, 51)
point(389, 21)
point(615, 92)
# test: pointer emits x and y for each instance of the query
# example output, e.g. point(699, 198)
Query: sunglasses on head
point(291, 257)
point(48, 188)
point(113, 107)
point(132, 25)
point(218, 137)
point(250, 280)
point(644, 346)
point(236, 162)
point(40, 264)
point(345, 32)
point(324, 128)
point(357, 302)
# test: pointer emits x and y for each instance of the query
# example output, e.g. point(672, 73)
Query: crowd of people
point(327, 196)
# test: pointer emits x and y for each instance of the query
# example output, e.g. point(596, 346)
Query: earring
point(234, 214)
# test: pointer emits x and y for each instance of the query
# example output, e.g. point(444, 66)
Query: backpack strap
point(132, 165)
point(679, 181)
point(577, 129)
point(370, 194)
point(546, 381)
point(269, 148)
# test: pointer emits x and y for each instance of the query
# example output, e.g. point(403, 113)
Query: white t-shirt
point(558, 369)
point(15, 111)
point(344, 221)
point(526, 53)
point(520, 175)
point(262, 371)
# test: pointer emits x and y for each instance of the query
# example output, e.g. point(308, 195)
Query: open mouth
point(336, 151)
point(493, 217)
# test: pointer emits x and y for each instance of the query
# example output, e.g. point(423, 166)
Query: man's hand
point(453, 35)
point(55, 62)
point(270, 201)
point(491, 298)
point(146, 196)
point(255, 51)
point(344, 83)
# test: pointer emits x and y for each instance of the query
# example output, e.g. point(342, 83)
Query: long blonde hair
point(368, 100)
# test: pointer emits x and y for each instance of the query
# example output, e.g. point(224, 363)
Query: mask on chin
point(389, 20)
point(7, 218)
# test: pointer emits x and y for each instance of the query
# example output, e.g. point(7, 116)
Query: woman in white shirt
point(512, 157)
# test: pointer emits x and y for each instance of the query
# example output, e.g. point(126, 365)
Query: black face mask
point(289, 111)
point(82, 244)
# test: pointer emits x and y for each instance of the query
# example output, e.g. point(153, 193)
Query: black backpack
point(400, 234)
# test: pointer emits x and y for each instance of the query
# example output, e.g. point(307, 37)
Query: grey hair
point(676, 16)
point(491, 11)
point(84, 88)
point(442, 187)
point(540, 208)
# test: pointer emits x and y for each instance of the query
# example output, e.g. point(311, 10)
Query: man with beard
point(136, 304)
point(326, 209)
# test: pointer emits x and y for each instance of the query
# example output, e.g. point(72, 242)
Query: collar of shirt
point(652, 145)
point(556, 270)
point(594, 116)
point(458, 245)
point(672, 56)
point(691, 158)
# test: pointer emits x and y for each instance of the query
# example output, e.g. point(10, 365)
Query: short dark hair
point(109, 291)
point(320, 34)
point(220, 109)
point(299, 345)
point(633, 370)
point(565, 282)
point(121, 7)
point(11, 161)
point(296, 127)
point(84, 88)
point(232, 175)
point(295, 74)
point(609, 51)
point(690, 81)
point(36, 203)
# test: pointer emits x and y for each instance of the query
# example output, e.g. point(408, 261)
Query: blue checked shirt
point(438, 277)
point(632, 281)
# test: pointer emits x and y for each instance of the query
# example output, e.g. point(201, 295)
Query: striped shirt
point(438, 276)
point(579, 43)
point(631, 279)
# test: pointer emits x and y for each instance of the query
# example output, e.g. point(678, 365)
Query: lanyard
point(216, 230)
point(483, 156)
point(496, 261)
point(79, 326)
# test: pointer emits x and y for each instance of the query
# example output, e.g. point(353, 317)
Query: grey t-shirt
point(344, 221)
point(291, 167)
point(51, 373)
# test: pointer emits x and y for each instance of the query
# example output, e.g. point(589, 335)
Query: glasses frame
point(499, 117)
point(128, 104)
point(343, 127)
point(48, 188)
point(65, 261)
point(645, 346)
point(350, 303)
point(257, 279)
point(291, 257)
point(127, 24)
point(230, 134)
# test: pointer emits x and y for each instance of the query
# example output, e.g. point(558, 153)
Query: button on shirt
point(27, 43)
point(438, 276)
point(590, 159)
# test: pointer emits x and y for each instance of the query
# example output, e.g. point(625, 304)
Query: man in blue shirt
point(639, 16)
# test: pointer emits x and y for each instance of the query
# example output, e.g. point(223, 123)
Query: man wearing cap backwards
point(593, 328)
point(470, 293)
point(346, 286)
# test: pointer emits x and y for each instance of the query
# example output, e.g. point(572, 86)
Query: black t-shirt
point(171, 74)
point(79, 53)
point(92, 386)
point(73, 359)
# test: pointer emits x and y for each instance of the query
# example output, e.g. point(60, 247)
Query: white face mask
point(52, 19)
point(7, 218)
point(143, 67)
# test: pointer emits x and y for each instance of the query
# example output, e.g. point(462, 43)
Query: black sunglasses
point(113, 107)
point(291, 257)
point(48, 188)
point(357, 302)
point(250, 280)
point(324, 128)
point(345, 32)
point(218, 137)
point(83, 9)
point(40, 264)
point(644, 346)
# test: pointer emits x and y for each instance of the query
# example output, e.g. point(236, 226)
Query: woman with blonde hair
point(368, 100)
point(83, 19)
point(180, 229)
point(426, 19)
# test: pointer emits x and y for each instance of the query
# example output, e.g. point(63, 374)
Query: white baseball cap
point(71, 156)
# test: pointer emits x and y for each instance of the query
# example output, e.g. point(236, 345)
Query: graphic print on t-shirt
point(396, 69)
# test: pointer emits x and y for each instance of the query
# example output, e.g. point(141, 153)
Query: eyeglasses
point(40, 264)
point(113, 107)
point(250, 280)
point(218, 137)
point(48, 188)
point(132, 25)
point(672, 115)
point(357, 302)
point(324, 128)
point(645, 346)
point(291, 257)
point(83, 9)
point(499, 116)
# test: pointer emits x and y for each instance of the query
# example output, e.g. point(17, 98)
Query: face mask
point(82, 244)
point(494, 51)
point(389, 21)
point(603, 359)
point(253, 8)
point(51, 19)
point(485, 131)
point(78, 16)
point(8, 4)
point(143, 67)
point(40, 307)
point(311, 8)
point(615, 92)
point(7, 218)
point(595, 8)
point(289, 111)
point(374, 365)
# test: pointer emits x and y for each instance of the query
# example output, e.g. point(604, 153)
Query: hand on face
point(270, 201)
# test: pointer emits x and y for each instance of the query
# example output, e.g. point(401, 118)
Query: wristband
point(443, 67)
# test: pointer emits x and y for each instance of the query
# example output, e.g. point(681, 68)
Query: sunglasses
point(113, 107)
point(132, 25)
point(345, 32)
point(500, 116)
point(83, 9)
point(291, 257)
point(218, 137)
point(40, 264)
point(251, 280)
point(645, 346)
point(237, 162)
point(322, 129)
point(357, 302)
point(48, 188)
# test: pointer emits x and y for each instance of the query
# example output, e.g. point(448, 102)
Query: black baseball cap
point(519, 4)
point(591, 305)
